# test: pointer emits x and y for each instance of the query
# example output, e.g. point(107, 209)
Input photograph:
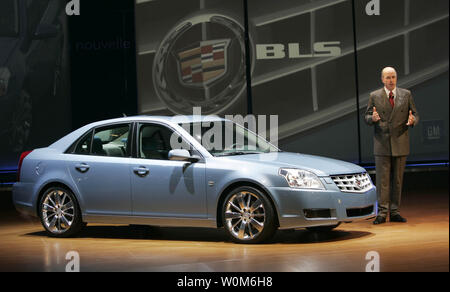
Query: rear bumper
point(21, 193)
point(300, 208)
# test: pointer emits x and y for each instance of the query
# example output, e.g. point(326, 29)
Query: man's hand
point(410, 119)
point(375, 116)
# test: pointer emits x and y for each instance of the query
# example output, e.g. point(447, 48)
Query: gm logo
point(292, 50)
point(433, 132)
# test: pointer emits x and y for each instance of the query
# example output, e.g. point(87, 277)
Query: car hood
point(321, 166)
point(7, 46)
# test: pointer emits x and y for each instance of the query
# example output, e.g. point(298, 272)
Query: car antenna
point(124, 115)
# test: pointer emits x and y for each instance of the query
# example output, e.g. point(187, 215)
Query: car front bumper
point(308, 208)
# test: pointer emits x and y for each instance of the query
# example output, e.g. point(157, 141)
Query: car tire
point(327, 228)
point(20, 124)
point(248, 216)
point(59, 212)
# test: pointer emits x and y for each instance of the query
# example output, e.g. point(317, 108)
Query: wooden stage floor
point(422, 244)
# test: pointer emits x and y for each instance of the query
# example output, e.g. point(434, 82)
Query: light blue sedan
point(152, 171)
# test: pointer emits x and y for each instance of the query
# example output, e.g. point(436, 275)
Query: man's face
point(389, 79)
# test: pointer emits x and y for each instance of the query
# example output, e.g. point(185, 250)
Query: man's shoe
point(397, 218)
point(379, 220)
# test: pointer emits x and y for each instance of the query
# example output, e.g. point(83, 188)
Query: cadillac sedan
point(187, 171)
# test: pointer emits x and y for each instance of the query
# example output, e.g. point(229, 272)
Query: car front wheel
point(59, 212)
point(248, 216)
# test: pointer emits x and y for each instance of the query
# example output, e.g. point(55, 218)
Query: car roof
point(177, 119)
point(168, 119)
point(63, 143)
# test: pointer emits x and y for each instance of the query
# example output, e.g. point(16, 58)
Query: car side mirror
point(46, 31)
point(182, 155)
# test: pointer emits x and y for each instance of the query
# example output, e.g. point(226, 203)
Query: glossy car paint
point(179, 193)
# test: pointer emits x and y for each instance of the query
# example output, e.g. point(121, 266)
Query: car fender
point(54, 177)
point(233, 177)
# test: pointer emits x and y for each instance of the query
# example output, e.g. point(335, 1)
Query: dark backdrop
point(102, 80)
point(320, 100)
point(103, 61)
point(315, 98)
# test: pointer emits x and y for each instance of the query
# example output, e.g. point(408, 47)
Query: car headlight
point(301, 179)
point(4, 80)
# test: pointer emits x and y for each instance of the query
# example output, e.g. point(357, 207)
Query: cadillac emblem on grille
point(358, 182)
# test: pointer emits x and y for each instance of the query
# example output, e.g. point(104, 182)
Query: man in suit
point(391, 110)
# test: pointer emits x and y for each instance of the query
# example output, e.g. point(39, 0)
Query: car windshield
point(9, 24)
point(225, 138)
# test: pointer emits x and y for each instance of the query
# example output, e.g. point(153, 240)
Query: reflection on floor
point(422, 244)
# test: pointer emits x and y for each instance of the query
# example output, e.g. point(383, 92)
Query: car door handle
point(82, 167)
point(141, 171)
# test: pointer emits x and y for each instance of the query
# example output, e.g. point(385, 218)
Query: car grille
point(353, 183)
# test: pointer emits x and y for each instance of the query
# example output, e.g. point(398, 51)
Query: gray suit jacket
point(391, 132)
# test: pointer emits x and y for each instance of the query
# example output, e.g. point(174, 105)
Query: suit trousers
point(389, 181)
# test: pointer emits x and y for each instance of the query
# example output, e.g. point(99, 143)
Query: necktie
point(391, 99)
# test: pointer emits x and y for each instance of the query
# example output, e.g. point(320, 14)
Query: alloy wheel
point(245, 215)
point(58, 211)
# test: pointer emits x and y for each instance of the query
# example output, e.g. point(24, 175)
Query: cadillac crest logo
point(201, 63)
point(358, 182)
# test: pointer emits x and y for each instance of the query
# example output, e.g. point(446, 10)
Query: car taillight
point(22, 157)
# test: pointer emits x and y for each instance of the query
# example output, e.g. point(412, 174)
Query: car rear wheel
point(60, 213)
point(248, 216)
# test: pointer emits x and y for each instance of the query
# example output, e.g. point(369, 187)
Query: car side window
point(84, 145)
point(111, 141)
point(155, 141)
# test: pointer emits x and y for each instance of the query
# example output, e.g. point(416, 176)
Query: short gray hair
point(387, 69)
